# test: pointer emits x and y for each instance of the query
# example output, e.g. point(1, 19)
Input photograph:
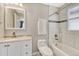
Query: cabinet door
point(26, 48)
point(3, 49)
point(14, 49)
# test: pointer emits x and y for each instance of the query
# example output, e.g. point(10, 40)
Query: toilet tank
point(42, 43)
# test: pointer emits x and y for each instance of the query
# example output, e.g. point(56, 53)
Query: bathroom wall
point(53, 26)
point(33, 11)
point(70, 38)
point(52, 10)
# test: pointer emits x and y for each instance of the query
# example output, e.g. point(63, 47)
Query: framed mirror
point(14, 18)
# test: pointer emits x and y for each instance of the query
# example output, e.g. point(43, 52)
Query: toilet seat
point(45, 51)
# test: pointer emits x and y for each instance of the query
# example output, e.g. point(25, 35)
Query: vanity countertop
point(11, 39)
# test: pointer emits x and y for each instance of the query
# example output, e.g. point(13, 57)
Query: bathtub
point(64, 50)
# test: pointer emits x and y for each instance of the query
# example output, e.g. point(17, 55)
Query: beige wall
point(70, 38)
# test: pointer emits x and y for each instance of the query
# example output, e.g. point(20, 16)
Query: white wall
point(53, 26)
point(52, 10)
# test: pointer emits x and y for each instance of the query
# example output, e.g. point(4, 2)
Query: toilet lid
point(46, 51)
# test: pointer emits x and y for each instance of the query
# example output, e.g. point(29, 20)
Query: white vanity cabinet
point(16, 48)
point(3, 49)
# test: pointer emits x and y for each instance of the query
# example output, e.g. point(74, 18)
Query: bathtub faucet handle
point(56, 37)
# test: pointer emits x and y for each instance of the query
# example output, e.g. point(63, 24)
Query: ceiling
point(55, 4)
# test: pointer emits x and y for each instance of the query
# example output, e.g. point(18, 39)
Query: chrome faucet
point(14, 35)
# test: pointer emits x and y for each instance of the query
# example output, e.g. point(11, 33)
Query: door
point(14, 49)
point(3, 49)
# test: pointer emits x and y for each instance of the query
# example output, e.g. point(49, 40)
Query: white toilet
point(44, 49)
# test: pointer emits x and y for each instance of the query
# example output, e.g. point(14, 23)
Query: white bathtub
point(63, 50)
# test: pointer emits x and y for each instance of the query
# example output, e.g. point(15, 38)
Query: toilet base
point(37, 53)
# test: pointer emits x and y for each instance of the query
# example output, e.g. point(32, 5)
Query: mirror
point(14, 18)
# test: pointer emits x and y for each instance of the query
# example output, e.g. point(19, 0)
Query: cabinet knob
point(8, 45)
point(5, 45)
